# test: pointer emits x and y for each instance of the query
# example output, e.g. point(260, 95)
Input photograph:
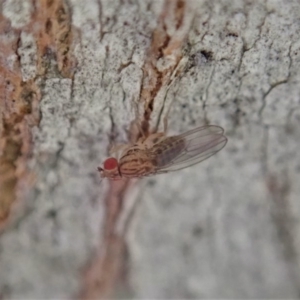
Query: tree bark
point(76, 76)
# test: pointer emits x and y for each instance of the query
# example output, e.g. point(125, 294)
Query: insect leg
point(136, 122)
point(166, 122)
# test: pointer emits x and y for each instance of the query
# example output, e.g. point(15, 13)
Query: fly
point(157, 153)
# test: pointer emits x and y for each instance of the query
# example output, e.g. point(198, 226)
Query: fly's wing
point(189, 148)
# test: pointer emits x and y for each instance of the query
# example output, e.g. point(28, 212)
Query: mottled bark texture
point(75, 74)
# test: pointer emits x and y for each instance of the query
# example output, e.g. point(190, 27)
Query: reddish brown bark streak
point(161, 47)
point(51, 27)
point(108, 264)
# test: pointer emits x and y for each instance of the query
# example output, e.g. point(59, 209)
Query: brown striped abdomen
point(167, 150)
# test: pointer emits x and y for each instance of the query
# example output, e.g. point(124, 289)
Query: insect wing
point(199, 144)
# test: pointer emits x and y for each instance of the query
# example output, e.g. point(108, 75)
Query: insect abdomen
point(169, 149)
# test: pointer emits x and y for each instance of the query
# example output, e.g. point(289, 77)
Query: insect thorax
point(136, 163)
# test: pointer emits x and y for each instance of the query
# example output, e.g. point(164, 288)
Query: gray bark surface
point(226, 228)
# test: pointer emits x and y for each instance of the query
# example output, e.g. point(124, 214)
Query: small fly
point(157, 153)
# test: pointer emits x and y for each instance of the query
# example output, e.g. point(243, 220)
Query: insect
point(157, 154)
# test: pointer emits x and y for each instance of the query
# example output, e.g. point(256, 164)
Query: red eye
point(110, 164)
